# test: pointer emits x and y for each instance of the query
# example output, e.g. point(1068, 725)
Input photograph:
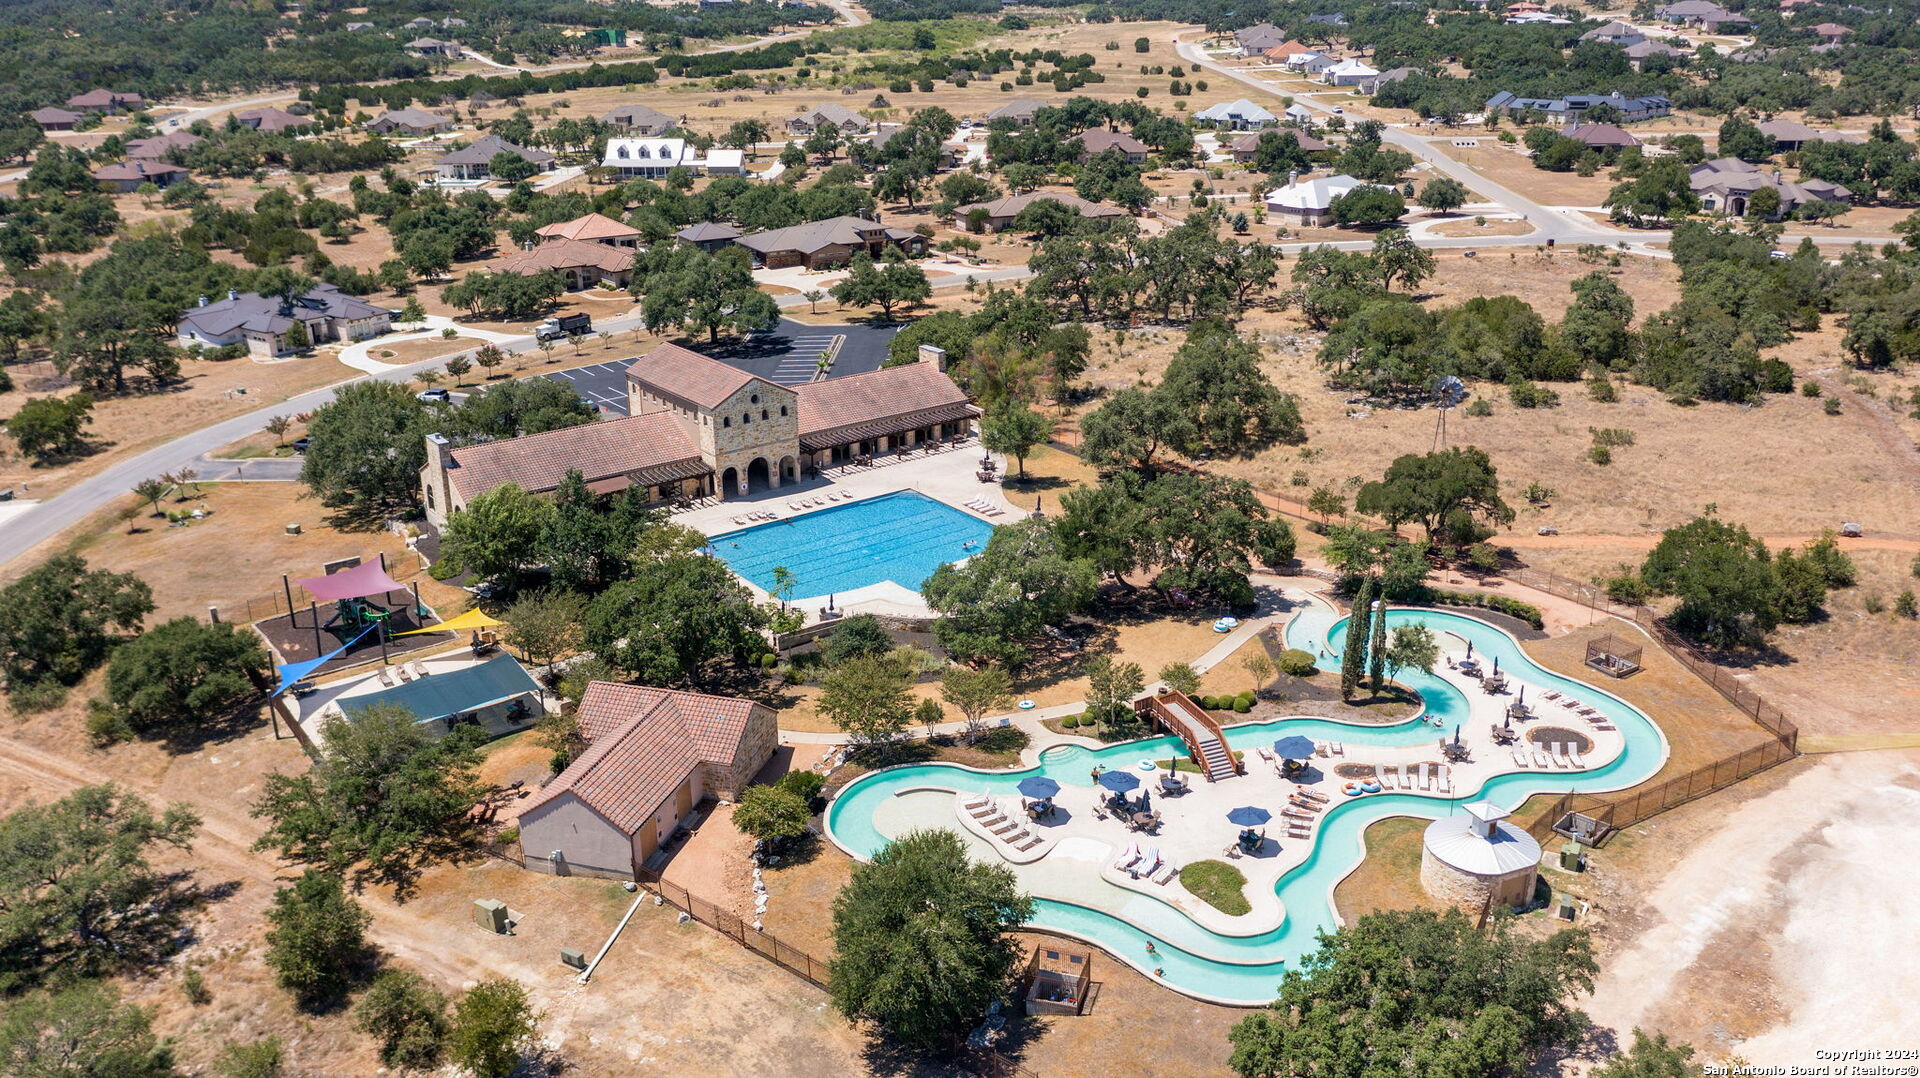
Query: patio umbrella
point(1496, 665)
point(1294, 747)
point(1249, 816)
point(1509, 723)
point(1119, 780)
point(1039, 786)
point(1456, 735)
point(1522, 698)
point(1469, 649)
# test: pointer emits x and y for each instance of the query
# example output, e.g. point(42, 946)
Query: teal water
point(902, 537)
point(1247, 969)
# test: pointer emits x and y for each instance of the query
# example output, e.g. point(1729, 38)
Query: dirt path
point(1880, 423)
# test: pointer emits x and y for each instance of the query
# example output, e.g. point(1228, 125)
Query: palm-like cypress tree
point(1377, 647)
point(1353, 660)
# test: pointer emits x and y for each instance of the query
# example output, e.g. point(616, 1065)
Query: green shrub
point(1525, 394)
point(1611, 437)
point(1480, 409)
point(1905, 606)
point(1627, 588)
point(510, 836)
point(769, 660)
point(1004, 739)
point(1600, 455)
point(1242, 705)
point(1603, 391)
point(194, 984)
point(1295, 663)
point(1874, 604)
point(1514, 608)
point(1071, 722)
point(807, 784)
point(1810, 389)
point(1247, 696)
point(1831, 406)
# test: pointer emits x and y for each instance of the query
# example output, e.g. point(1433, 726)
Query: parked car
point(300, 444)
point(436, 395)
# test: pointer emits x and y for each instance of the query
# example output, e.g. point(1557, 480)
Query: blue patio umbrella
point(1121, 781)
point(1039, 786)
point(1294, 747)
point(1249, 816)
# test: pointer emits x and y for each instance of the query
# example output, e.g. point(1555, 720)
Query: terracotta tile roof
point(875, 395)
point(691, 379)
point(593, 226)
point(642, 744)
point(598, 450)
point(563, 254)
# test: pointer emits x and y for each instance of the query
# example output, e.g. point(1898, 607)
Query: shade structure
point(1039, 786)
point(459, 623)
point(1249, 816)
point(454, 692)
point(292, 674)
point(1119, 780)
point(1294, 747)
point(364, 579)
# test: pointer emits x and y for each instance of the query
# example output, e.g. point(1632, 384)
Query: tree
point(45, 427)
point(493, 1024)
point(150, 490)
point(701, 292)
point(264, 1058)
point(1443, 195)
point(975, 692)
point(1215, 380)
point(296, 338)
point(1326, 503)
point(1353, 656)
point(318, 943)
point(22, 319)
point(1377, 647)
point(545, 625)
point(1723, 577)
point(1368, 205)
point(1396, 255)
point(278, 426)
point(1426, 991)
point(82, 1032)
point(868, 699)
point(1649, 1057)
point(746, 135)
point(62, 618)
point(921, 942)
point(894, 282)
point(1014, 430)
point(1662, 189)
point(1598, 324)
point(1111, 688)
point(509, 167)
point(1021, 582)
point(859, 636)
point(675, 617)
point(183, 671)
point(1440, 491)
point(1131, 428)
point(457, 366)
point(1259, 666)
point(1413, 648)
point(497, 536)
point(366, 448)
point(1739, 137)
point(78, 897)
point(407, 1016)
point(381, 802)
point(771, 814)
point(813, 296)
point(514, 408)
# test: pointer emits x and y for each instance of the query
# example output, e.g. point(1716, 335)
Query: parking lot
point(786, 355)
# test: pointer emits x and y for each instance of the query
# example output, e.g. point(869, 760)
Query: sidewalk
point(357, 355)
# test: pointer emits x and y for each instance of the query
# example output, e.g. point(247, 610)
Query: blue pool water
point(1248, 969)
point(902, 537)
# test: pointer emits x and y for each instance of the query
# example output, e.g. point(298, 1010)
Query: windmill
point(1447, 392)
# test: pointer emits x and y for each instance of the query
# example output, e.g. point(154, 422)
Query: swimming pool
point(902, 537)
point(1248, 969)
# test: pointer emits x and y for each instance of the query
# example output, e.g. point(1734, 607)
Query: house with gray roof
point(1788, 135)
point(1021, 111)
point(999, 214)
point(1569, 109)
point(161, 147)
point(837, 116)
point(127, 177)
point(1615, 33)
point(1639, 53)
point(1725, 184)
point(262, 322)
point(271, 121)
point(1257, 39)
point(433, 46)
point(1237, 115)
point(410, 122)
point(832, 242)
point(470, 163)
point(107, 101)
point(639, 120)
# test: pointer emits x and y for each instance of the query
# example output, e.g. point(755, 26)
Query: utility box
point(571, 957)
point(1563, 906)
point(491, 915)
point(1570, 857)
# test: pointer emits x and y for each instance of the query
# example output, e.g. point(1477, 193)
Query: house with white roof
point(651, 158)
point(1239, 115)
point(1310, 202)
point(1349, 73)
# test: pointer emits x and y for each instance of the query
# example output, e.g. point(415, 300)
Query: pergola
point(1614, 656)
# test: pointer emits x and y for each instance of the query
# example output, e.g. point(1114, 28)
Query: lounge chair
point(1425, 777)
point(1315, 795)
point(1540, 760)
point(1128, 857)
point(419, 668)
point(1319, 748)
point(1560, 758)
point(1148, 863)
point(1167, 872)
point(1003, 827)
point(1570, 703)
point(1017, 837)
point(1295, 814)
point(1392, 775)
point(1406, 778)
point(1553, 696)
point(1030, 842)
point(1266, 754)
point(1600, 724)
point(1579, 763)
point(1446, 780)
point(1520, 758)
point(403, 673)
point(1299, 832)
point(386, 677)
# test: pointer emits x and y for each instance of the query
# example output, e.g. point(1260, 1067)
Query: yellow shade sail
point(459, 623)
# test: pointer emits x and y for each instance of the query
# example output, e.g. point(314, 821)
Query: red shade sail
point(365, 579)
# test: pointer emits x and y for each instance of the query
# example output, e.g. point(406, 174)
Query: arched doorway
point(730, 483)
point(758, 475)
point(789, 470)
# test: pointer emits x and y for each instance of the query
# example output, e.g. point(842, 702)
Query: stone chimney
point(436, 486)
point(934, 354)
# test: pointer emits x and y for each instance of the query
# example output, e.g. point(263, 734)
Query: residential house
point(1756, 54)
point(1335, 19)
point(1349, 72)
point(452, 22)
point(1299, 114)
point(725, 163)
point(470, 163)
point(581, 263)
point(433, 46)
point(1536, 18)
point(1244, 147)
point(52, 119)
point(161, 147)
point(1020, 111)
point(709, 236)
point(127, 177)
point(696, 427)
point(421, 23)
point(650, 158)
point(1568, 109)
point(1615, 33)
point(1788, 135)
point(832, 242)
point(356, 27)
point(652, 757)
point(271, 121)
point(1831, 33)
point(1285, 51)
point(1705, 14)
point(1237, 115)
point(1605, 137)
point(836, 116)
point(1724, 185)
point(1257, 39)
point(593, 228)
point(1639, 54)
point(409, 122)
point(261, 322)
point(1310, 202)
point(999, 214)
point(1388, 78)
point(106, 101)
point(1099, 140)
point(1311, 63)
point(639, 120)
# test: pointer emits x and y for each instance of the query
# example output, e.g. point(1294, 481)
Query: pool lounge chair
point(1266, 754)
point(386, 677)
point(1406, 778)
point(1520, 758)
point(1312, 795)
point(1445, 780)
point(1579, 763)
point(1425, 777)
point(1148, 864)
point(1392, 775)
point(1167, 872)
point(1540, 760)
point(1128, 857)
point(1030, 842)
point(1553, 696)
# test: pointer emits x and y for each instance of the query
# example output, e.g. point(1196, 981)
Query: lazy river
point(1248, 969)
